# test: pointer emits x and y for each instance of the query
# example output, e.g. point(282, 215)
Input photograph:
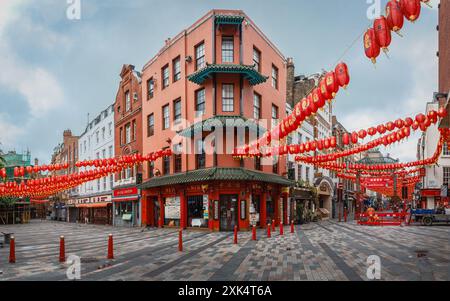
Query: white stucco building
point(96, 142)
point(433, 189)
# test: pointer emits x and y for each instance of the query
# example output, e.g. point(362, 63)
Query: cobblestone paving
point(319, 251)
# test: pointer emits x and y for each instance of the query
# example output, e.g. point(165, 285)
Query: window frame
point(150, 127)
point(226, 106)
point(200, 58)
point(202, 104)
point(176, 73)
point(257, 63)
point(164, 77)
point(177, 116)
point(257, 96)
point(150, 88)
point(275, 79)
point(225, 52)
point(165, 118)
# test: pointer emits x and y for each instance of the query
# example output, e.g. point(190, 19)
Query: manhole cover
point(89, 260)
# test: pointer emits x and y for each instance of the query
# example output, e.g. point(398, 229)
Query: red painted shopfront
point(215, 205)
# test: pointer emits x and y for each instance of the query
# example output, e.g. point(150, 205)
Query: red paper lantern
point(312, 106)
point(394, 16)
point(342, 75)
point(372, 131)
point(306, 109)
point(411, 9)
point(381, 129)
point(355, 137)
point(420, 118)
point(323, 89)
point(371, 47)
point(382, 33)
point(362, 134)
point(331, 83)
point(318, 98)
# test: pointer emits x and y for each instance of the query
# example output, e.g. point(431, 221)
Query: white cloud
point(9, 133)
point(38, 86)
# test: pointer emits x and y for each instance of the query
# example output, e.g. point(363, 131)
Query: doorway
point(228, 212)
point(156, 211)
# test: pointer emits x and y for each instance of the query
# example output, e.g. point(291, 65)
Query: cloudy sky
point(54, 71)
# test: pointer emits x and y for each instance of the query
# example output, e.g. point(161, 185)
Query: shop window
point(172, 211)
point(254, 210)
point(197, 205)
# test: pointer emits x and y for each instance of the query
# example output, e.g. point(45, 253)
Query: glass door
point(228, 212)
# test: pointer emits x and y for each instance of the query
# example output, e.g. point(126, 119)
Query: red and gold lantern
point(342, 75)
point(382, 33)
point(371, 47)
point(394, 16)
point(411, 9)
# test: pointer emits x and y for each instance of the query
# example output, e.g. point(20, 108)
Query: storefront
point(39, 209)
point(188, 201)
point(300, 204)
point(325, 195)
point(126, 207)
point(430, 198)
point(92, 210)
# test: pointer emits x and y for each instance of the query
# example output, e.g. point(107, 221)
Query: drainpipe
point(186, 156)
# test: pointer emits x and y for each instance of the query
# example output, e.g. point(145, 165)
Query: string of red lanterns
point(379, 36)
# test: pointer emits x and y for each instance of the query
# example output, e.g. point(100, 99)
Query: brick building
point(65, 152)
point(444, 46)
point(202, 92)
point(128, 141)
point(299, 87)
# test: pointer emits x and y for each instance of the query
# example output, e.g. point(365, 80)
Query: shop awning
point(126, 199)
point(229, 19)
point(249, 73)
point(95, 205)
point(216, 174)
point(39, 202)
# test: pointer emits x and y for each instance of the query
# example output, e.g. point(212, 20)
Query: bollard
point(281, 228)
point(340, 216)
point(62, 249)
point(292, 227)
point(273, 225)
point(254, 232)
point(235, 235)
point(180, 241)
point(345, 216)
point(12, 250)
point(110, 247)
point(268, 230)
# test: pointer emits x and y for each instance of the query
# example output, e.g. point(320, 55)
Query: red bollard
point(110, 247)
point(235, 235)
point(62, 249)
point(345, 216)
point(292, 227)
point(281, 228)
point(180, 241)
point(273, 225)
point(12, 250)
point(254, 232)
point(268, 231)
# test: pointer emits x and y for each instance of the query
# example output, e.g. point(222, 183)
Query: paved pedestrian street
point(319, 251)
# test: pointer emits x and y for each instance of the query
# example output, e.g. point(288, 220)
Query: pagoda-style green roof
point(216, 174)
point(249, 72)
point(378, 160)
point(222, 121)
point(229, 19)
